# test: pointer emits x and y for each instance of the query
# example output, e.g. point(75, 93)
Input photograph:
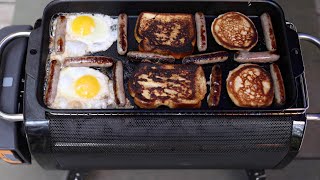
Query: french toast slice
point(171, 85)
point(234, 31)
point(166, 33)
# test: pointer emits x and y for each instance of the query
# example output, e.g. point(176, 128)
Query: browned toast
point(249, 85)
point(234, 31)
point(172, 85)
point(166, 33)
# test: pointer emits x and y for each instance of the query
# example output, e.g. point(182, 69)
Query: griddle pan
point(211, 9)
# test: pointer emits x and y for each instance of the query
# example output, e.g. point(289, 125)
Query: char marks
point(166, 33)
point(168, 84)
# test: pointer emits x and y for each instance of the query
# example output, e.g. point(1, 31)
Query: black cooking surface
point(225, 103)
point(230, 64)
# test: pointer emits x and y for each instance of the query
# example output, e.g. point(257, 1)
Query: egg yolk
point(83, 25)
point(87, 86)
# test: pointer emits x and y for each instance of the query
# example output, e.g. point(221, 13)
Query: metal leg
point(254, 174)
point(77, 175)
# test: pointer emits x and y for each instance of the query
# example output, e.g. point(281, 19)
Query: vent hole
point(33, 51)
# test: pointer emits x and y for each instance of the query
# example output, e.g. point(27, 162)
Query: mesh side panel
point(122, 141)
point(169, 134)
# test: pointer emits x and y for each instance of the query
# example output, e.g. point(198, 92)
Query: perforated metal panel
point(238, 140)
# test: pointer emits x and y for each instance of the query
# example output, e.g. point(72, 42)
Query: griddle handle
point(309, 38)
point(4, 42)
point(315, 41)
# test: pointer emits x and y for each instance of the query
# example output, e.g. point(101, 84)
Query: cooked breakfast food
point(137, 56)
point(234, 31)
point(88, 61)
point(279, 90)
point(84, 33)
point(207, 58)
point(213, 98)
point(166, 33)
point(162, 38)
point(52, 82)
point(122, 43)
point(60, 35)
point(249, 85)
point(83, 88)
point(172, 85)
point(201, 31)
point(268, 32)
point(120, 97)
point(256, 57)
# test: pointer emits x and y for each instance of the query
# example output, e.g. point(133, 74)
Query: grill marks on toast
point(166, 33)
point(172, 85)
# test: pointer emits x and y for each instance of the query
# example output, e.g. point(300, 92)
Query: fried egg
point(83, 88)
point(88, 33)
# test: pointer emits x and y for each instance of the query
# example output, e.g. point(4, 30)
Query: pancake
point(249, 85)
point(234, 31)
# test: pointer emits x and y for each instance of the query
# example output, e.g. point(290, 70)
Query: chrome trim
point(309, 38)
point(88, 144)
point(177, 114)
point(313, 117)
point(292, 26)
point(4, 42)
point(298, 128)
point(315, 41)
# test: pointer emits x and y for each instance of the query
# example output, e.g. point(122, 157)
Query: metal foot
point(76, 175)
point(256, 174)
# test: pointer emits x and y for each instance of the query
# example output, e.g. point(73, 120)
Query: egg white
point(102, 37)
point(67, 97)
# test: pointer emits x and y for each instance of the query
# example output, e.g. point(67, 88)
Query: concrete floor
point(302, 13)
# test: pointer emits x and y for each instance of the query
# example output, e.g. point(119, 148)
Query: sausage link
point(268, 32)
point(60, 35)
point(201, 31)
point(215, 86)
point(88, 61)
point(136, 56)
point(122, 43)
point(118, 86)
point(208, 58)
point(255, 57)
point(279, 90)
point(52, 82)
